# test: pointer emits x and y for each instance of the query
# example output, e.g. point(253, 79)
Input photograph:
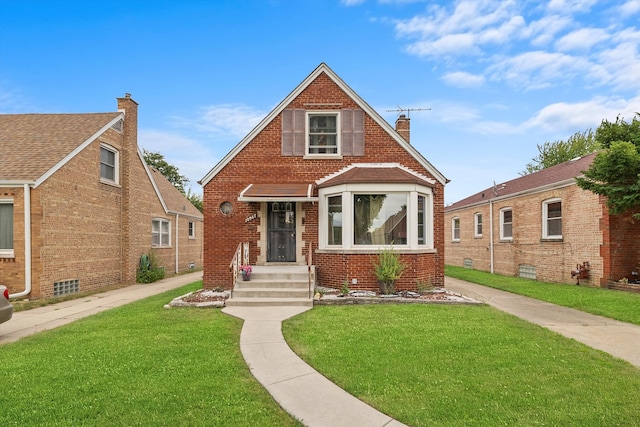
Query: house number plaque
point(251, 217)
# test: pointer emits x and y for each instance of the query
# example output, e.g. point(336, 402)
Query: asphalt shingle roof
point(548, 176)
point(34, 143)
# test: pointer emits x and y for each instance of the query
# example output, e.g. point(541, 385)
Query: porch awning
point(278, 193)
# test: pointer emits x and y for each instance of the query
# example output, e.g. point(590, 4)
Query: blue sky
point(499, 76)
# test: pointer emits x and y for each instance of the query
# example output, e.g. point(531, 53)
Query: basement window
point(527, 271)
point(66, 287)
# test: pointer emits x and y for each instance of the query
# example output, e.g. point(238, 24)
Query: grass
point(619, 305)
point(136, 365)
point(455, 365)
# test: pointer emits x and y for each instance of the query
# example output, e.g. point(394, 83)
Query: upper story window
point(506, 224)
point(327, 134)
point(160, 233)
point(552, 219)
point(322, 136)
point(109, 161)
point(455, 229)
point(6, 229)
point(477, 224)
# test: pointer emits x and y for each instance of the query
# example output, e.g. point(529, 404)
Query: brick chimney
point(403, 127)
point(128, 165)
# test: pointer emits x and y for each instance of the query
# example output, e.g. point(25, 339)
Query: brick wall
point(12, 269)
point(553, 260)
point(261, 162)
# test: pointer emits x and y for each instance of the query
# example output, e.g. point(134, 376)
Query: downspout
point(27, 244)
point(177, 249)
point(491, 234)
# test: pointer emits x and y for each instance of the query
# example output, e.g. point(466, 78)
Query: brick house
point(78, 204)
point(324, 180)
point(543, 226)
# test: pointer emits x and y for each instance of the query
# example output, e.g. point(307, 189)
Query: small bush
point(149, 270)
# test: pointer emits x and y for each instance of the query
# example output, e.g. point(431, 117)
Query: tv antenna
point(400, 110)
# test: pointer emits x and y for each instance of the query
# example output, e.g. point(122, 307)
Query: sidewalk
point(295, 385)
point(29, 322)
point(619, 339)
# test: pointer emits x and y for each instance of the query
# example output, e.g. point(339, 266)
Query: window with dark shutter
point(293, 132)
point(352, 132)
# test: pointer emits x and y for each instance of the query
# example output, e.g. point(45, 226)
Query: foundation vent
point(66, 287)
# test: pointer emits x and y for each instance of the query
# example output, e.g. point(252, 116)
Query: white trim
point(77, 150)
point(377, 166)
point(160, 221)
point(502, 223)
point(545, 219)
point(323, 68)
point(116, 165)
point(308, 198)
point(453, 229)
point(153, 181)
point(307, 131)
point(346, 191)
point(476, 223)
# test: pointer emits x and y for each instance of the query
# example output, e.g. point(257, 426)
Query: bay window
point(365, 216)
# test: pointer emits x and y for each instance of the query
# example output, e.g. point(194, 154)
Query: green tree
point(169, 171)
point(195, 199)
point(615, 171)
point(554, 153)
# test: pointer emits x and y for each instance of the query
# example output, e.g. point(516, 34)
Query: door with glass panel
point(281, 232)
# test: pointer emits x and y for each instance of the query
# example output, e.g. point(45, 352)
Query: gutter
point(27, 244)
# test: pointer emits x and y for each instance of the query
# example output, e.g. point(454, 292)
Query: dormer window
point(323, 134)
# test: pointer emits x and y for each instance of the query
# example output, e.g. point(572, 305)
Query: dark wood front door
point(281, 231)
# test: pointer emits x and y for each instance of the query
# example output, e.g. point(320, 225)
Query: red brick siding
point(261, 162)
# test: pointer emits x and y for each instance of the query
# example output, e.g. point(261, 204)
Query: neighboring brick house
point(79, 206)
point(542, 226)
point(319, 180)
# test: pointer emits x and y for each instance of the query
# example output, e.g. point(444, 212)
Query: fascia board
point(323, 68)
point(76, 151)
point(153, 181)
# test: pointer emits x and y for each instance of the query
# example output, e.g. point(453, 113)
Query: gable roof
point(392, 173)
point(172, 199)
point(559, 175)
point(34, 146)
point(324, 68)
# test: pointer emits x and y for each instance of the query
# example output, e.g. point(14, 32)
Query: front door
point(281, 232)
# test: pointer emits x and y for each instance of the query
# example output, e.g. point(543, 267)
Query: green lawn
point(137, 365)
point(619, 305)
point(456, 365)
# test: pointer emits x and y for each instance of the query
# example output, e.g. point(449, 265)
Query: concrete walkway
point(28, 322)
point(296, 386)
point(619, 339)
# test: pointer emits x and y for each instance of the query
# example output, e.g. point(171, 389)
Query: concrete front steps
point(273, 285)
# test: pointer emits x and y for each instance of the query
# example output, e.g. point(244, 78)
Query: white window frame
point(455, 221)
point(347, 191)
point(160, 233)
point(9, 252)
point(502, 224)
point(546, 219)
point(308, 115)
point(192, 229)
point(116, 166)
point(477, 223)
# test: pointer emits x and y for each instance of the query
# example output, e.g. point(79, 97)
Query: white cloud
point(570, 6)
point(463, 79)
point(228, 119)
point(582, 39)
point(351, 2)
point(543, 31)
point(538, 69)
point(631, 7)
point(580, 116)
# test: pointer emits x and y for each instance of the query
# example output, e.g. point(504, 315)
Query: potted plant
point(388, 268)
point(246, 272)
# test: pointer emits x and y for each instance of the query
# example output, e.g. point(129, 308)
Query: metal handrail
point(309, 262)
point(234, 267)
